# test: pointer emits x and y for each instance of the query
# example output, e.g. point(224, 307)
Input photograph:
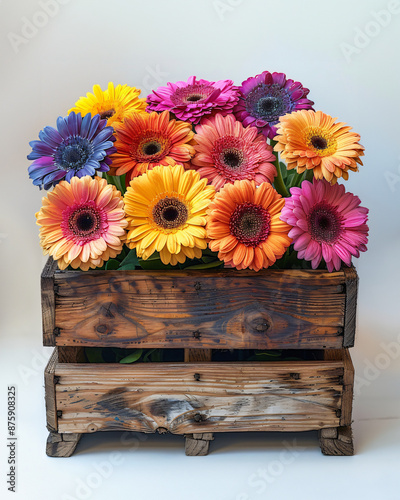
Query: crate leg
point(197, 445)
point(336, 441)
point(61, 445)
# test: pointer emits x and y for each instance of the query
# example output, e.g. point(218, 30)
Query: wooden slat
point(351, 306)
point(50, 393)
point(271, 309)
point(48, 302)
point(343, 355)
point(199, 397)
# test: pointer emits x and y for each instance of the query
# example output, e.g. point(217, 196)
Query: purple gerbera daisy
point(78, 147)
point(267, 97)
point(191, 100)
point(327, 223)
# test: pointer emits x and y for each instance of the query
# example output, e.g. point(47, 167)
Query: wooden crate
point(199, 312)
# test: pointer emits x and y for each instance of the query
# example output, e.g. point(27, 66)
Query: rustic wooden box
point(198, 312)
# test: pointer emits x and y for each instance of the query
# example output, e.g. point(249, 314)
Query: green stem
point(278, 181)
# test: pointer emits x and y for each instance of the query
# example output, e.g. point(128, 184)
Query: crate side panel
point(266, 310)
point(198, 398)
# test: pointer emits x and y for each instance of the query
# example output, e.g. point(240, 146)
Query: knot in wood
point(196, 334)
point(197, 286)
point(295, 376)
point(196, 376)
point(198, 417)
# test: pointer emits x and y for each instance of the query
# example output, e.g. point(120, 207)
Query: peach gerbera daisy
point(146, 140)
point(226, 151)
point(312, 140)
point(82, 223)
point(244, 226)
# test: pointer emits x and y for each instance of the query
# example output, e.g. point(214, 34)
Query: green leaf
point(148, 353)
point(134, 356)
point(210, 265)
point(130, 262)
point(94, 354)
point(153, 263)
point(112, 264)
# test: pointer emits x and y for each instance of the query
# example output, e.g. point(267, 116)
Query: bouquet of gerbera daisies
point(199, 175)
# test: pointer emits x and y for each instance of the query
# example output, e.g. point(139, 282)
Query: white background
point(346, 53)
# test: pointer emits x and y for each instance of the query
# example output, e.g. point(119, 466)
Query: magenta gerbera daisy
point(268, 96)
point(327, 223)
point(226, 151)
point(192, 100)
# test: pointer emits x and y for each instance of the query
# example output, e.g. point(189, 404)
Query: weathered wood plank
point(48, 302)
point(50, 392)
point(271, 309)
point(199, 398)
point(61, 445)
point(340, 445)
point(351, 306)
point(348, 382)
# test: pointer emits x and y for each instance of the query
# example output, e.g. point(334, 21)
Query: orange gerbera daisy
point(312, 140)
point(244, 226)
point(146, 140)
point(82, 223)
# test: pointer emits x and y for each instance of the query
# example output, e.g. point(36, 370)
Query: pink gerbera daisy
point(226, 151)
point(327, 223)
point(191, 100)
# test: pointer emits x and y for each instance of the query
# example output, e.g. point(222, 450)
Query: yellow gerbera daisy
point(166, 212)
point(113, 104)
point(312, 140)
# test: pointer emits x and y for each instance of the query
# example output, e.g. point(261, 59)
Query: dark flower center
point(73, 153)
point(194, 98)
point(319, 142)
point(107, 114)
point(232, 158)
point(170, 213)
point(82, 222)
point(250, 224)
point(268, 102)
point(324, 223)
point(152, 148)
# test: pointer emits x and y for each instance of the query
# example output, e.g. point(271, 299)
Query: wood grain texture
point(50, 392)
point(199, 398)
point(48, 302)
point(343, 355)
point(69, 354)
point(197, 445)
point(340, 445)
point(61, 445)
point(271, 309)
point(194, 355)
point(351, 306)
